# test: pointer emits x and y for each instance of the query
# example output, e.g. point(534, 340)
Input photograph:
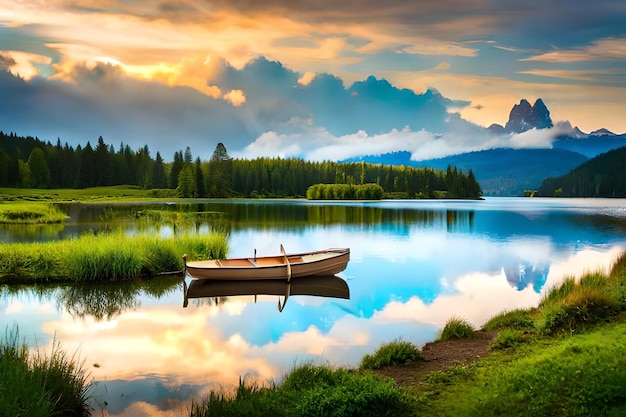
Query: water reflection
point(220, 291)
point(106, 301)
point(413, 266)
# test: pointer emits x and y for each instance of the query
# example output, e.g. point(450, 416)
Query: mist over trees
point(28, 162)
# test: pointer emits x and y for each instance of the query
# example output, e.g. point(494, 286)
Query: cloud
point(601, 49)
point(235, 97)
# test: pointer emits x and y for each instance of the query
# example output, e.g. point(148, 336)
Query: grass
point(563, 358)
point(33, 384)
point(104, 257)
point(575, 369)
point(117, 192)
point(457, 328)
point(397, 352)
point(310, 390)
point(30, 213)
point(518, 319)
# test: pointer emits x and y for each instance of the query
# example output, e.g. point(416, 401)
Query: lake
point(414, 265)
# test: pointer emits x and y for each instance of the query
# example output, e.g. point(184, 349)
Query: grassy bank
point(563, 358)
point(104, 257)
point(30, 213)
point(36, 385)
point(118, 192)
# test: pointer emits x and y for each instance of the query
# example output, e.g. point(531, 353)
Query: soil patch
point(440, 355)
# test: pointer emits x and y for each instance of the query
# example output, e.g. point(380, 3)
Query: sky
point(322, 80)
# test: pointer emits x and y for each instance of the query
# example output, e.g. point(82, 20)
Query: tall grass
point(572, 306)
point(517, 319)
point(39, 385)
point(397, 352)
point(30, 212)
point(105, 257)
point(457, 328)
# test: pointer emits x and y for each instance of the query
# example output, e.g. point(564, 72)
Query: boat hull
point(319, 263)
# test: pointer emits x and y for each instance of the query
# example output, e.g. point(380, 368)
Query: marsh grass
point(457, 328)
point(104, 257)
point(33, 384)
point(30, 213)
point(397, 352)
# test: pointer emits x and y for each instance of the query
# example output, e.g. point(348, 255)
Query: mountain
point(524, 117)
point(590, 145)
point(500, 172)
point(509, 172)
point(601, 176)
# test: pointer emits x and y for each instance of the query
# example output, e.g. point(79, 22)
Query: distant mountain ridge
point(509, 172)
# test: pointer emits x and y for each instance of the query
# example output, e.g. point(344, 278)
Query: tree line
point(601, 176)
point(28, 162)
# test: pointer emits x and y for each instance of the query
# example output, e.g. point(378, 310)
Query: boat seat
point(234, 262)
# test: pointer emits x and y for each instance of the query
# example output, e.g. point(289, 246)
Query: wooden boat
point(323, 262)
point(321, 286)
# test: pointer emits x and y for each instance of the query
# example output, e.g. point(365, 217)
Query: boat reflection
point(321, 286)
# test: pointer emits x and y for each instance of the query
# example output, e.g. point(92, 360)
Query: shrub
point(518, 319)
point(397, 352)
point(457, 328)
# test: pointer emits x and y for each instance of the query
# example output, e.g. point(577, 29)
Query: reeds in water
point(105, 257)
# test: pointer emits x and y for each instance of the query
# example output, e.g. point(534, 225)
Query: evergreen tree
point(159, 179)
point(200, 187)
point(38, 168)
point(219, 181)
point(186, 184)
point(102, 167)
point(177, 166)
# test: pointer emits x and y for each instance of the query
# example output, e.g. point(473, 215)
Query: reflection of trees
point(101, 301)
point(30, 232)
point(105, 301)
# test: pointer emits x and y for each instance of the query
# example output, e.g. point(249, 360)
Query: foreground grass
point(104, 257)
point(310, 390)
point(35, 385)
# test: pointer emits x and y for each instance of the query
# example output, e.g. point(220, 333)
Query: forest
point(601, 176)
point(27, 162)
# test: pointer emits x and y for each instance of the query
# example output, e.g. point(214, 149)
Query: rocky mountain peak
point(524, 117)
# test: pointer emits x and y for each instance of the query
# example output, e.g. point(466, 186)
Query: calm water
point(414, 265)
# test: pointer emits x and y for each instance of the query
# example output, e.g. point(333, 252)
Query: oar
point(287, 261)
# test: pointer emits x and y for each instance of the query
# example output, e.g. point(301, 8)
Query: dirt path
point(440, 355)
